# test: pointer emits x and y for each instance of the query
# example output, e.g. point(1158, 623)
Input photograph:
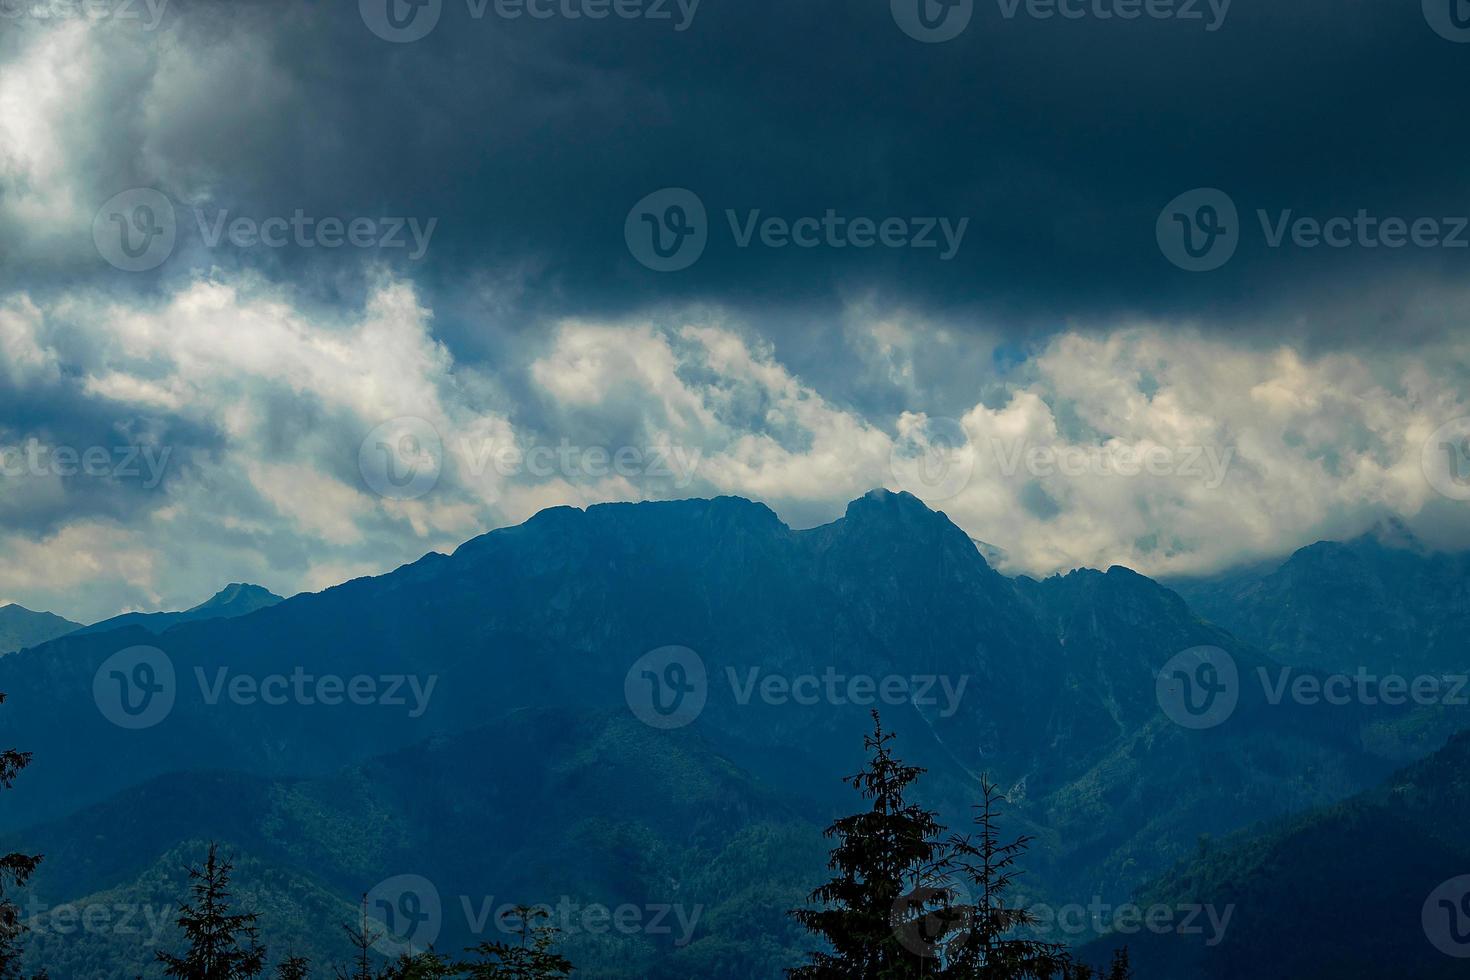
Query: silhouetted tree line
point(904, 901)
point(15, 870)
point(224, 945)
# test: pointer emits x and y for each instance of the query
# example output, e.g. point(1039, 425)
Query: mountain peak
point(889, 505)
point(21, 627)
point(239, 597)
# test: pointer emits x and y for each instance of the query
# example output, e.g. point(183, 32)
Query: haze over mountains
point(494, 748)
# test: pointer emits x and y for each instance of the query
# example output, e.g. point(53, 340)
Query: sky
point(294, 293)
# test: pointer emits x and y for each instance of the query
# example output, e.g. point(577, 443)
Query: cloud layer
point(396, 305)
point(237, 431)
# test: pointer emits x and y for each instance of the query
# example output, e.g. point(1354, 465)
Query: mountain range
point(495, 749)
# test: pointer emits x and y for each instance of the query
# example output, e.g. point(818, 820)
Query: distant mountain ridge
point(1382, 601)
point(235, 599)
point(21, 627)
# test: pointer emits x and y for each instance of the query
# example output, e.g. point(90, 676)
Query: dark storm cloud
point(1060, 140)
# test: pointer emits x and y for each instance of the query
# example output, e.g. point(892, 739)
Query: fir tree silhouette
point(529, 959)
point(985, 947)
point(293, 968)
point(1120, 970)
point(893, 909)
point(427, 965)
point(15, 870)
point(222, 944)
point(882, 915)
point(362, 937)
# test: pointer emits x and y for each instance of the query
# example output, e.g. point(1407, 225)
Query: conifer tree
point(531, 958)
point(15, 870)
point(293, 968)
point(222, 944)
point(362, 937)
point(427, 965)
point(882, 914)
point(986, 946)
